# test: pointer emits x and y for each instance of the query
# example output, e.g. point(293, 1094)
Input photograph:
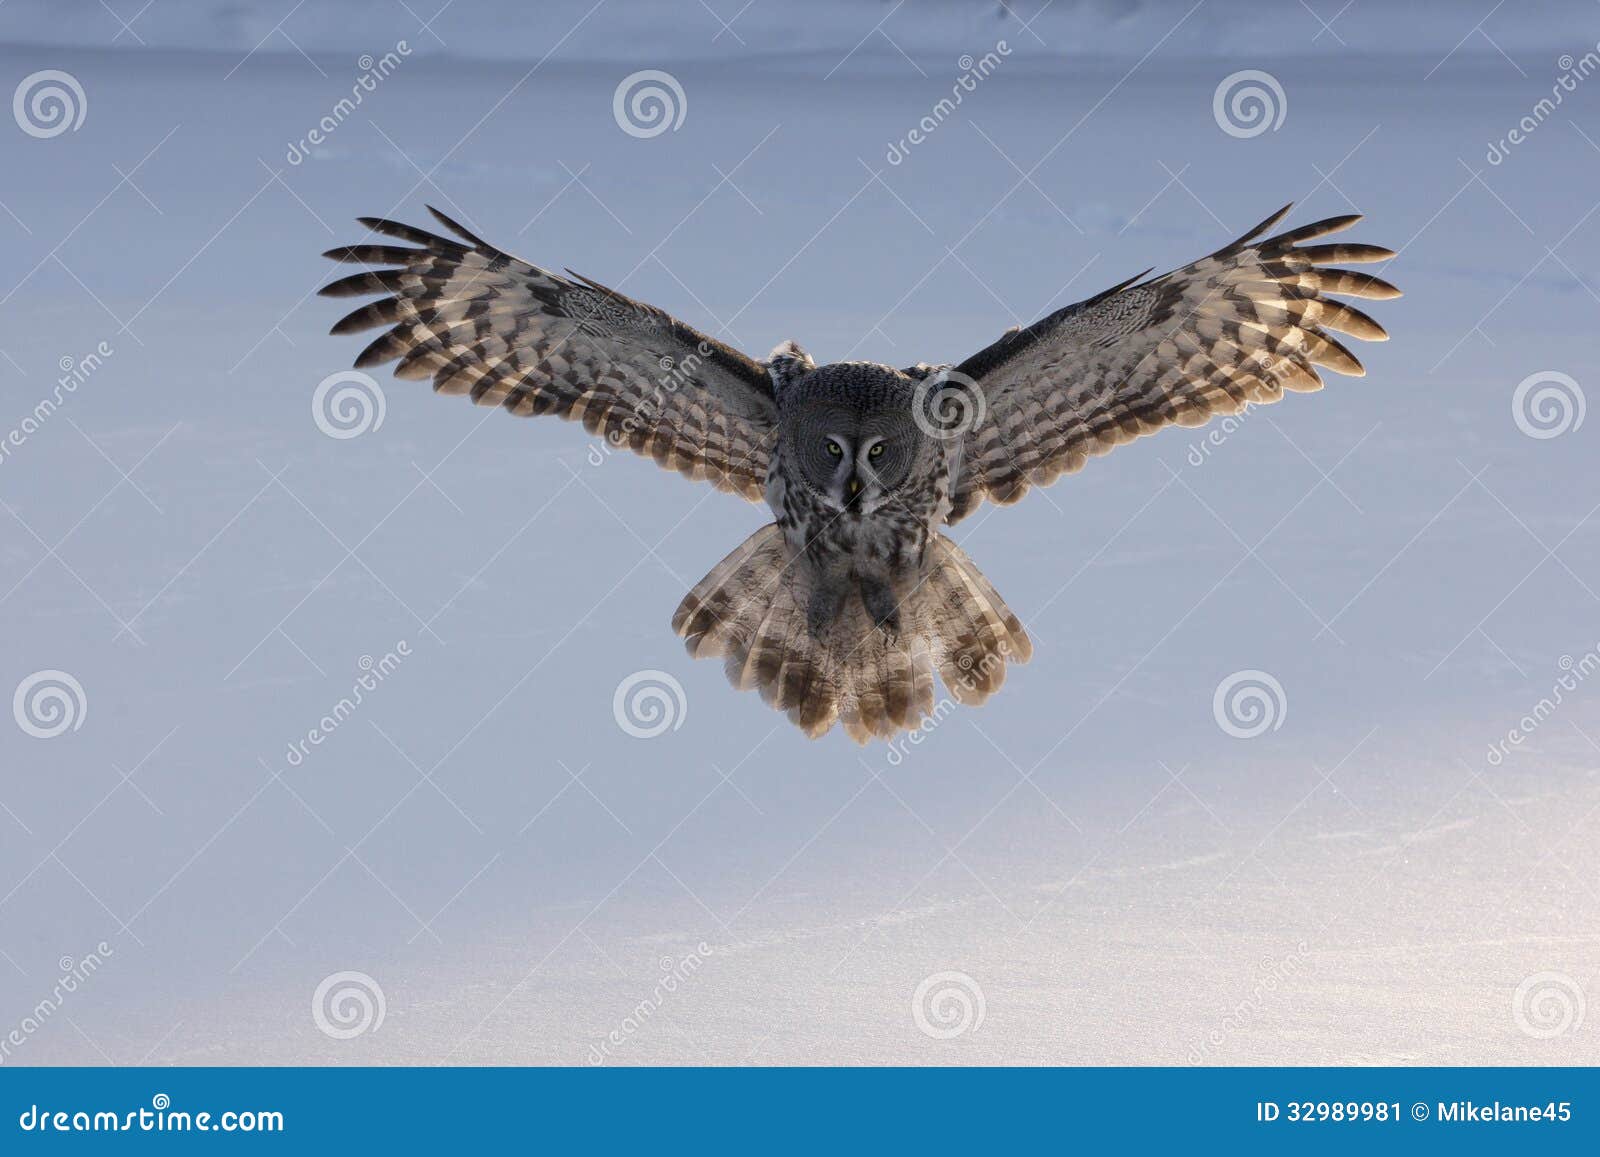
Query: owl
point(852, 601)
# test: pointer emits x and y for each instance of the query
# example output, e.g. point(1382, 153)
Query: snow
point(1122, 879)
point(647, 30)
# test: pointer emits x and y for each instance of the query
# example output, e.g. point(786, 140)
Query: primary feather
point(1233, 329)
point(480, 322)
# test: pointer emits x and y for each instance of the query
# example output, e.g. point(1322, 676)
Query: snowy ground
point(1121, 879)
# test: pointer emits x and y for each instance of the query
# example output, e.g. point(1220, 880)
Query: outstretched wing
point(481, 322)
point(1238, 327)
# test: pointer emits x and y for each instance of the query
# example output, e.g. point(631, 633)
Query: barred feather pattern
point(480, 322)
point(751, 611)
point(1233, 329)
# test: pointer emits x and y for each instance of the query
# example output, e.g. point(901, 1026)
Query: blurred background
point(347, 723)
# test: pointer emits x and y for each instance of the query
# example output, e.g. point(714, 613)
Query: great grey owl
point(843, 609)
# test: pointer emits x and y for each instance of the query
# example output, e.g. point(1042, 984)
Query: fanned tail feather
point(751, 611)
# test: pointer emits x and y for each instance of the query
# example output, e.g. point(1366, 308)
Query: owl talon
point(823, 609)
point(883, 607)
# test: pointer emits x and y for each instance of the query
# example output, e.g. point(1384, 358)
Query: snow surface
point(1123, 880)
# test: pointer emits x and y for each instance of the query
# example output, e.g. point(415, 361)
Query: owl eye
point(876, 451)
point(835, 449)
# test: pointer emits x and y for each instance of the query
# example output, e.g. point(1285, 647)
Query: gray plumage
point(845, 607)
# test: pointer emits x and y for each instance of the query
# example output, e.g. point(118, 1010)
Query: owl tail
point(752, 610)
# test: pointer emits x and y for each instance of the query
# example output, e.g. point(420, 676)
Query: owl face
point(850, 436)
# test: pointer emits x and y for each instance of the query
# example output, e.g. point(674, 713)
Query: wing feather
point(1237, 328)
point(480, 322)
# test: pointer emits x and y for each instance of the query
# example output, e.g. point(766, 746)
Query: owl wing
point(481, 322)
point(1238, 327)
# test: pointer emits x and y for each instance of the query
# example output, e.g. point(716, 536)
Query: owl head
point(846, 430)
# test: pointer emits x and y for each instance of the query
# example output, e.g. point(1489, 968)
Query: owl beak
point(852, 492)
